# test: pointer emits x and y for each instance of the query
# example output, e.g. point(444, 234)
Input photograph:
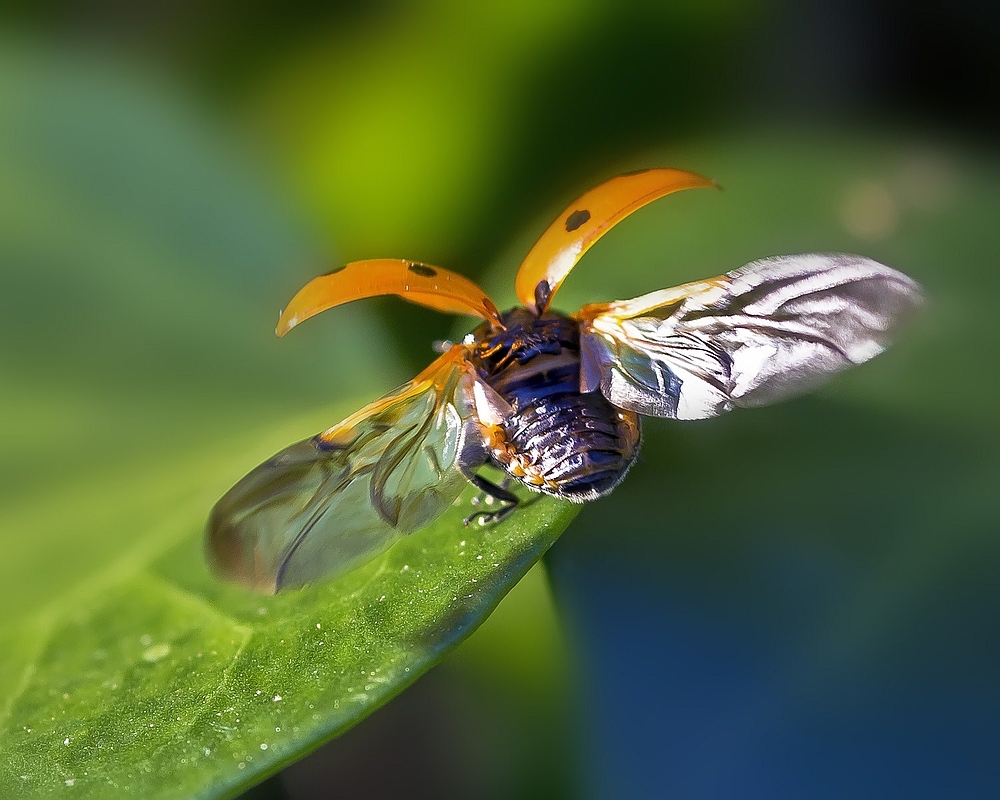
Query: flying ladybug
point(553, 400)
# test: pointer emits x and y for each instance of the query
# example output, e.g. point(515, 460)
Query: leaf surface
point(142, 265)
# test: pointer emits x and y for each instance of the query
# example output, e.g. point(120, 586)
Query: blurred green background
point(794, 601)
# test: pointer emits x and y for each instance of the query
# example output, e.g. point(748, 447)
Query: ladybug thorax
point(529, 345)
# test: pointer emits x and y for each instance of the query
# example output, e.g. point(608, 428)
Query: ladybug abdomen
point(557, 440)
point(580, 444)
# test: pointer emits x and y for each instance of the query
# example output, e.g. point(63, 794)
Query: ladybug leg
point(507, 499)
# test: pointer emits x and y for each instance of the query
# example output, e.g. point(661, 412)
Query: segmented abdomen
point(559, 441)
point(580, 444)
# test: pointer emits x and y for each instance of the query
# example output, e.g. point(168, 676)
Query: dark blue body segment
point(560, 441)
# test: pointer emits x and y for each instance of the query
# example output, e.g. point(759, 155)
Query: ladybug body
point(557, 440)
point(552, 400)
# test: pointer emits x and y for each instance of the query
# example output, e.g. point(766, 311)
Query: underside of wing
point(328, 504)
point(754, 336)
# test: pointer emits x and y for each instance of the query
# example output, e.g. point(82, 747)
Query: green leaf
point(163, 682)
point(142, 268)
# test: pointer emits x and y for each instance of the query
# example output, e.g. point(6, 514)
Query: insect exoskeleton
point(553, 400)
point(554, 438)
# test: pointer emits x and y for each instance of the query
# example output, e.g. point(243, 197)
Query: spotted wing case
point(754, 336)
point(585, 221)
point(434, 287)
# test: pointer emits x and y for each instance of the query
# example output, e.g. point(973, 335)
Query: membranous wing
point(756, 335)
point(331, 503)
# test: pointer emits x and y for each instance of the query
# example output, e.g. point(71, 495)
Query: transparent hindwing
point(756, 335)
point(328, 504)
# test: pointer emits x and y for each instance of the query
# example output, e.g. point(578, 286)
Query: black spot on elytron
point(335, 270)
point(422, 270)
point(543, 293)
point(576, 219)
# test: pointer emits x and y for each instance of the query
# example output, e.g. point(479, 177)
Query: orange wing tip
point(285, 323)
point(317, 295)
